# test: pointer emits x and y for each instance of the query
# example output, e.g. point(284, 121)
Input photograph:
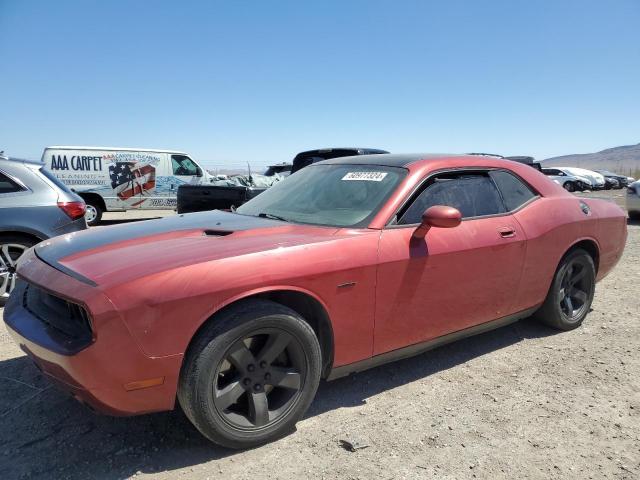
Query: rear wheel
point(571, 293)
point(11, 248)
point(94, 213)
point(250, 374)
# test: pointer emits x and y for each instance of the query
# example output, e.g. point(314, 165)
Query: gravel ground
point(523, 401)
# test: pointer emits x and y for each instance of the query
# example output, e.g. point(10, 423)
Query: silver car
point(570, 183)
point(633, 200)
point(34, 206)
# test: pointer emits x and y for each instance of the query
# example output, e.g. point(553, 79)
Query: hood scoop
point(217, 233)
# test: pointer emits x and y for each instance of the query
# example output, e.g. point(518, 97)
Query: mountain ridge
point(624, 159)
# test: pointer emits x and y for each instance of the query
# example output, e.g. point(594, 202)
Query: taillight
point(74, 210)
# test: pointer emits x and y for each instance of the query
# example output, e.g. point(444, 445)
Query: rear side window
point(474, 194)
point(8, 186)
point(515, 193)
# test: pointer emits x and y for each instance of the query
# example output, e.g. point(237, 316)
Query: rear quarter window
point(515, 192)
point(7, 185)
point(53, 179)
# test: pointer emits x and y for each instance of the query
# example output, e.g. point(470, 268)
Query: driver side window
point(183, 165)
point(474, 194)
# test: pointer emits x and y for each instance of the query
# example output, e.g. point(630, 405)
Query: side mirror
point(439, 216)
point(199, 172)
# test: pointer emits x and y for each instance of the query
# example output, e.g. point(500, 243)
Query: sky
point(258, 81)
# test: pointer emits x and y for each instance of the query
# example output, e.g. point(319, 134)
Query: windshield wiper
point(272, 216)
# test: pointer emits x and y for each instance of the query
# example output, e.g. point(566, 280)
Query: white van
point(119, 179)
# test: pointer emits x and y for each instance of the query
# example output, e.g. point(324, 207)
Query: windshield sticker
point(365, 176)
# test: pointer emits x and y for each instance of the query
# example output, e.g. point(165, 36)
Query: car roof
point(396, 159)
point(28, 163)
point(114, 149)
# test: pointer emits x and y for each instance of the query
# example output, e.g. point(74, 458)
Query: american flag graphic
point(128, 180)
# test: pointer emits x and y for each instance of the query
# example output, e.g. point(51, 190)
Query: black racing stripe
point(52, 252)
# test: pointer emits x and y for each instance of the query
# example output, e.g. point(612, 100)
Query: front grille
point(63, 316)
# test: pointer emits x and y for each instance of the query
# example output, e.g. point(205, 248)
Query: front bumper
point(106, 373)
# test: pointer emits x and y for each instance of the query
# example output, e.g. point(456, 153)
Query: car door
point(454, 278)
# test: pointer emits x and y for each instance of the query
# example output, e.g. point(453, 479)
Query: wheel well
point(29, 236)
point(309, 309)
point(590, 247)
point(312, 311)
point(93, 198)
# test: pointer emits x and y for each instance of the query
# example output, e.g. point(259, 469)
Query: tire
point(94, 213)
point(569, 186)
point(228, 375)
point(557, 311)
point(634, 215)
point(11, 248)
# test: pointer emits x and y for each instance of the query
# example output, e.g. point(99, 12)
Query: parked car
point(571, 183)
point(119, 179)
point(611, 183)
point(596, 180)
point(527, 160)
point(344, 265)
point(304, 159)
point(224, 194)
point(620, 181)
point(227, 196)
point(283, 169)
point(34, 206)
point(633, 200)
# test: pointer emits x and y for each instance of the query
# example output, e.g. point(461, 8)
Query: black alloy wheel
point(575, 288)
point(250, 374)
point(569, 298)
point(259, 379)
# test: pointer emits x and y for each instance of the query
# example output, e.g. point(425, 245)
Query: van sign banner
point(60, 162)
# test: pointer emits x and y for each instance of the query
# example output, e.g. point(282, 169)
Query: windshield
point(334, 195)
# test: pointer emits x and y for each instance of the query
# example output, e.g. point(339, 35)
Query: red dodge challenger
point(345, 265)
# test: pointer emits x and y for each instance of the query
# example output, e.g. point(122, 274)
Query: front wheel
point(250, 374)
point(569, 187)
point(571, 293)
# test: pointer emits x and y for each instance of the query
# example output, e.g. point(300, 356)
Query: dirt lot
point(520, 402)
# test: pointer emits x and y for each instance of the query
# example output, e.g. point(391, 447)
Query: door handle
point(507, 232)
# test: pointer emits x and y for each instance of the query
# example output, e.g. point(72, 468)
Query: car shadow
point(353, 391)
point(45, 433)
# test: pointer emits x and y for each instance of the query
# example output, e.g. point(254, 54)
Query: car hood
point(116, 254)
